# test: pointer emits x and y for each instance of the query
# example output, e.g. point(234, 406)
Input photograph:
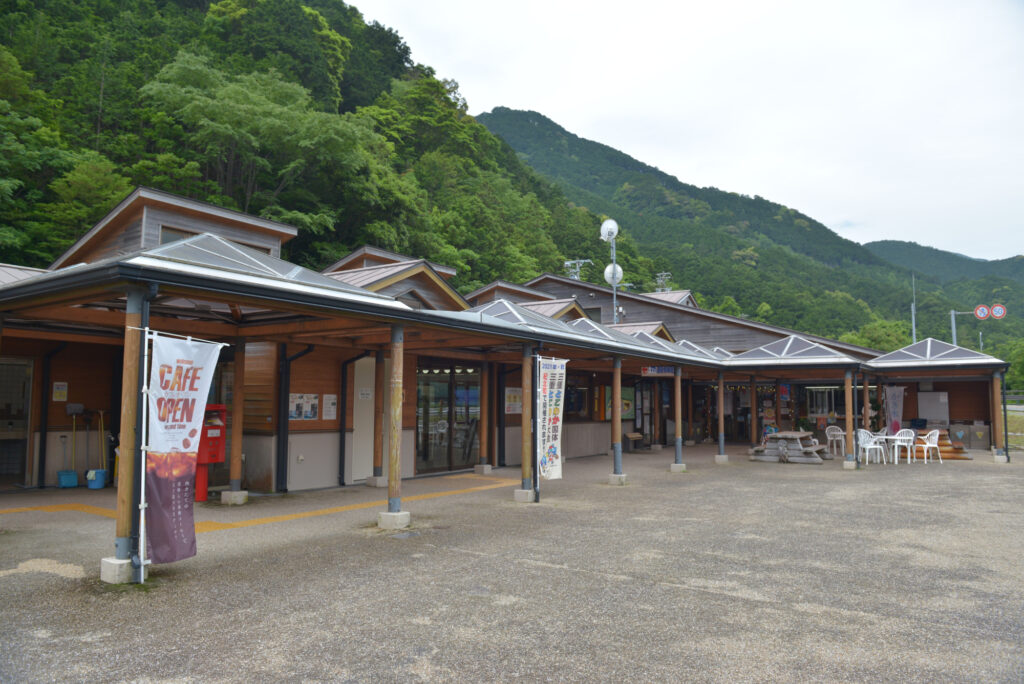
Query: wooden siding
point(156, 218)
point(261, 372)
point(425, 289)
point(122, 242)
point(681, 324)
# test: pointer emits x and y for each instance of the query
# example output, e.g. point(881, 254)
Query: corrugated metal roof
point(716, 354)
point(630, 328)
point(363, 277)
point(512, 287)
point(551, 307)
point(675, 296)
point(9, 273)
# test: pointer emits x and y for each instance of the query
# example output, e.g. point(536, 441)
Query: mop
point(69, 478)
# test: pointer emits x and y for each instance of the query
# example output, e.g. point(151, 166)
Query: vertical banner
point(551, 400)
point(179, 383)
point(893, 408)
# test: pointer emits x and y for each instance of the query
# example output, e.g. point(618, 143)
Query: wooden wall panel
point(967, 400)
point(260, 387)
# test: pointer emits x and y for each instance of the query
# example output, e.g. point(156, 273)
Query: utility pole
point(913, 310)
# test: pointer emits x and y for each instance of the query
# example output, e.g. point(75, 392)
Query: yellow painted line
point(57, 508)
point(214, 526)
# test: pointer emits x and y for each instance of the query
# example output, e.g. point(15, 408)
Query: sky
point(883, 120)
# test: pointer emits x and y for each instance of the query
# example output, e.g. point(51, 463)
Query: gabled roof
point(859, 351)
point(682, 297)
point(381, 257)
point(656, 328)
point(536, 295)
point(794, 350)
point(511, 312)
point(555, 308)
point(931, 353)
point(376, 278)
point(716, 354)
point(142, 196)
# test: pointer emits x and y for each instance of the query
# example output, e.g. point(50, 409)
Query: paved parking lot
point(740, 572)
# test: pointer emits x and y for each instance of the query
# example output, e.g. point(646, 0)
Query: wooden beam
point(721, 414)
point(677, 411)
point(305, 326)
point(848, 389)
point(62, 337)
point(526, 448)
point(753, 410)
point(115, 319)
point(395, 422)
point(237, 416)
point(617, 417)
point(129, 406)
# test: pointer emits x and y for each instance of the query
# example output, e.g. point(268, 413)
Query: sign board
point(658, 371)
point(513, 400)
point(330, 407)
point(179, 384)
point(60, 391)
point(998, 311)
point(550, 404)
point(981, 312)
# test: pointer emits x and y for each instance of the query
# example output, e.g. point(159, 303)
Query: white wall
point(312, 460)
point(362, 423)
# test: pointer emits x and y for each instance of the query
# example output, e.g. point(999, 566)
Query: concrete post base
point(677, 468)
point(482, 469)
point(393, 521)
point(721, 458)
point(1000, 458)
point(523, 495)
point(617, 480)
point(238, 498)
point(657, 447)
point(689, 442)
point(377, 481)
point(116, 571)
point(849, 465)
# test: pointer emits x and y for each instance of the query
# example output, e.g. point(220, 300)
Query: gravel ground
point(741, 572)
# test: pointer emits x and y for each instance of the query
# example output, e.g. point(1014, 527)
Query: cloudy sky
point(883, 120)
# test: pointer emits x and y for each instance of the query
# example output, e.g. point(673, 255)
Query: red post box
point(211, 446)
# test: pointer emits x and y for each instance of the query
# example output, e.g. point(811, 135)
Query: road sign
point(981, 312)
point(998, 311)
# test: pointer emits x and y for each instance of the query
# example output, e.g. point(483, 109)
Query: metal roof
point(551, 307)
point(9, 273)
point(931, 353)
point(368, 275)
point(793, 350)
point(675, 296)
point(716, 354)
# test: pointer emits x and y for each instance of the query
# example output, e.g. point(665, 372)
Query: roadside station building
point(377, 369)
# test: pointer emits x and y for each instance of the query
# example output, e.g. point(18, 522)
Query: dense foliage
point(766, 261)
point(296, 110)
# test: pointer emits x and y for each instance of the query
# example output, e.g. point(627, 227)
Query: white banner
point(894, 408)
point(550, 400)
point(179, 384)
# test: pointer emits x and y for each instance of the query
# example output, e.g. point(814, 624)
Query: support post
point(677, 408)
point(525, 494)
point(236, 496)
point(848, 390)
point(395, 518)
point(997, 417)
point(721, 456)
point(129, 408)
point(753, 411)
point(617, 477)
point(483, 465)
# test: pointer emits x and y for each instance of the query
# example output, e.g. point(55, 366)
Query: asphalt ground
point(747, 571)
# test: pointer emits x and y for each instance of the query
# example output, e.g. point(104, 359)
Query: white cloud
point(882, 120)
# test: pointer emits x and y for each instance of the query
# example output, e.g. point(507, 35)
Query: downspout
point(282, 414)
point(140, 462)
point(343, 415)
point(1006, 426)
point(44, 412)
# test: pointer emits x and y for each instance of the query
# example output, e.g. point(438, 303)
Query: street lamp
point(612, 272)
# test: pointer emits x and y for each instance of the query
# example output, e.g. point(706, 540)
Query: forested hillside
point(750, 256)
point(946, 266)
point(296, 110)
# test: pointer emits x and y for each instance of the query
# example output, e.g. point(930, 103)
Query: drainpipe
point(140, 462)
point(1006, 426)
point(44, 412)
point(282, 413)
point(343, 415)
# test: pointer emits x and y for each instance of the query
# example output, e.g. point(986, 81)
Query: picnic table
point(791, 446)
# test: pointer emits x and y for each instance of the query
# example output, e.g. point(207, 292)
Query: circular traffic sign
point(981, 312)
point(998, 311)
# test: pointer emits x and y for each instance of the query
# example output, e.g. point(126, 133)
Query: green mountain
point(755, 257)
point(945, 266)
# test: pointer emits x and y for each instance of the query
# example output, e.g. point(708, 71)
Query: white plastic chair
point(867, 444)
point(904, 440)
point(926, 444)
point(835, 436)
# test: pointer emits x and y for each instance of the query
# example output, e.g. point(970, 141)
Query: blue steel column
point(526, 448)
point(721, 414)
point(395, 426)
point(617, 417)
